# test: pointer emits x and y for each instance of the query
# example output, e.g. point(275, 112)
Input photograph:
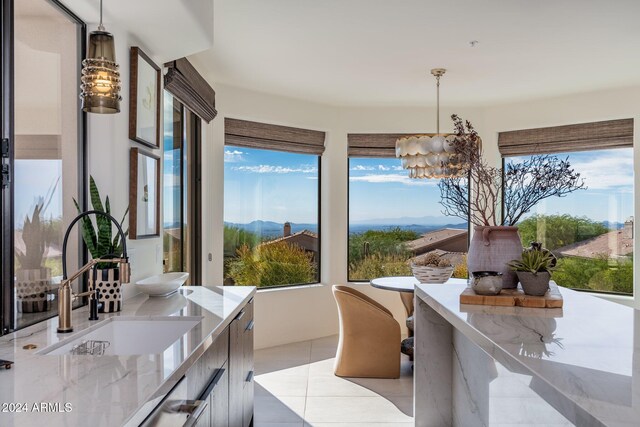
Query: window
point(271, 217)
point(590, 231)
point(394, 219)
point(46, 147)
point(181, 206)
point(271, 204)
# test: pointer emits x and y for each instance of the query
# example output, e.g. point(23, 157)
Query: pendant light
point(100, 88)
point(430, 155)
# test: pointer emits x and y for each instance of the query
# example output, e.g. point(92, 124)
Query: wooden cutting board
point(515, 297)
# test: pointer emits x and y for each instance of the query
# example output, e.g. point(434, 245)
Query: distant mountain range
point(270, 228)
point(408, 221)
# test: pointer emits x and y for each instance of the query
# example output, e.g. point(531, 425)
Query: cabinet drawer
point(177, 409)
point(205, 368)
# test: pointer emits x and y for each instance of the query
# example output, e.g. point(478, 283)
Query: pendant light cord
point(101, 27)
point(437, 103)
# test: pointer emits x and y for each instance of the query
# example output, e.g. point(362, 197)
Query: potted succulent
point(534, 271)
point(432, 268)
point(33, 279)
point(101, 243)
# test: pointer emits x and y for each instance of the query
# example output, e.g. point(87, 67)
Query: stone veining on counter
point(583, 360)
point(110, 390)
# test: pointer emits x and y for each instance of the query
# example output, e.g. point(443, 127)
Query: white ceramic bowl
point(162, 284)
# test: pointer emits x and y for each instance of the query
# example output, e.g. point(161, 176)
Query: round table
point(404, 283)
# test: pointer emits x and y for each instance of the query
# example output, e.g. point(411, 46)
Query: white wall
point(108, 151)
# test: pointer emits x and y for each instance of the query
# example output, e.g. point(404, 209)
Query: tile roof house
point(614, 244)
point(304, 239)
point(446, 239)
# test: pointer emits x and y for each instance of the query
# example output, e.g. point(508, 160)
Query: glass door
point(44, 143)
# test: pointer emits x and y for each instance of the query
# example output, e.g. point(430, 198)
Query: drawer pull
point(249, 377)
point(216, 378)
point(249, 326)
point(240, 315)
point(250, 301)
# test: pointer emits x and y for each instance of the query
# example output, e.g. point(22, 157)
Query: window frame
point(319, 221)
point(7, 108)
point(502, 205)
point(469, 225)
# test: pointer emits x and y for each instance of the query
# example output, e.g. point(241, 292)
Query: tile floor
point(295, 387)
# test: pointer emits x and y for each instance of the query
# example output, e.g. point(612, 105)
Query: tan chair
point(369, 344)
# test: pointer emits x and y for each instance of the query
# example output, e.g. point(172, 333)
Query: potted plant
point(33, 279)
point(101, 243)
point(534, 271)
point(432, 268)
point(496, 241)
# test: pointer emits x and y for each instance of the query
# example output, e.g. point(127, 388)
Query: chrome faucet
point(65, 293)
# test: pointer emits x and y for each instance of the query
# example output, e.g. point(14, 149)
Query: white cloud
point(611, 171)
point(383, 168)
point(393, 178)
point(362, 168)
point(233, 156)
point(276, 169)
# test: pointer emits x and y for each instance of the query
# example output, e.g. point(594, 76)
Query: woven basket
point(428, 274)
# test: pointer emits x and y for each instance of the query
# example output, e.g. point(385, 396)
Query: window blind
point(373, 144)
point(578, 137)
point(244, 133)
point(185, 83)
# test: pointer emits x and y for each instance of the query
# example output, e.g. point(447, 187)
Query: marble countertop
point(108, 390)
point(586, 354)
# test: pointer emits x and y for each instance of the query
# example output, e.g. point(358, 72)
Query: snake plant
point(100, 242)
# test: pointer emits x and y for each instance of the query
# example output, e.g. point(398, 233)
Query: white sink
point(125, 336)
point(162, 284)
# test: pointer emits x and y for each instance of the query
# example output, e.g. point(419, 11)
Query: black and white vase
point(108, 283)
point(32, 288)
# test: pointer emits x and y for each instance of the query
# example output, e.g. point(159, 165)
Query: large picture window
point(394, 219)
point(590, 231)
point(271, 217)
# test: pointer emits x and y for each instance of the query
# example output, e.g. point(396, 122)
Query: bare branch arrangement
point(525, 183)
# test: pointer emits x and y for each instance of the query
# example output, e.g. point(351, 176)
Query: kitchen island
point(485, 365)
point(111, 390)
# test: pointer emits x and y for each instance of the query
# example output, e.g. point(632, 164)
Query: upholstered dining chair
point(369, 344)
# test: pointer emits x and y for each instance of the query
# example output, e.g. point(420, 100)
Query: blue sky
point(281, 187)
point(33, 179)
point(270, 186)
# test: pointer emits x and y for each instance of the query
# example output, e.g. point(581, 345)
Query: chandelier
point(430, 155)
point(100, 88)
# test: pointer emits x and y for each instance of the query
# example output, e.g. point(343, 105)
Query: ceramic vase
point(108, 283)
point(492, 248)
point(32, 290)
point(534, 284)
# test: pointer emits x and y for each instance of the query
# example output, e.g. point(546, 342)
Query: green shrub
point(235, 237)
point(272, 265)
point(377, 265)
point(556, 231)
point(380, 242)
point(598, 274)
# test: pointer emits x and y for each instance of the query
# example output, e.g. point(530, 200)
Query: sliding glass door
point(44, 168)
point(182, 194)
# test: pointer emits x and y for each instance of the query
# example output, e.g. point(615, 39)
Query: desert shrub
point(272, 265)
point(460, 270)
point(378, 265)
point(235, 238)
point(600, 274)
point(559, 230)
point(380, 242)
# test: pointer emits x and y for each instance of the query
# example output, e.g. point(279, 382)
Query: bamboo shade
point(558, 139)
point(243, 133)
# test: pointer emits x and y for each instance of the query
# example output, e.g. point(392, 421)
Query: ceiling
point(379, 53)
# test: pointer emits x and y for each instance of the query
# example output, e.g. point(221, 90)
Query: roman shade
point(373, 144)
point(185, 83)
point(578, 137)
point(244, 133)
